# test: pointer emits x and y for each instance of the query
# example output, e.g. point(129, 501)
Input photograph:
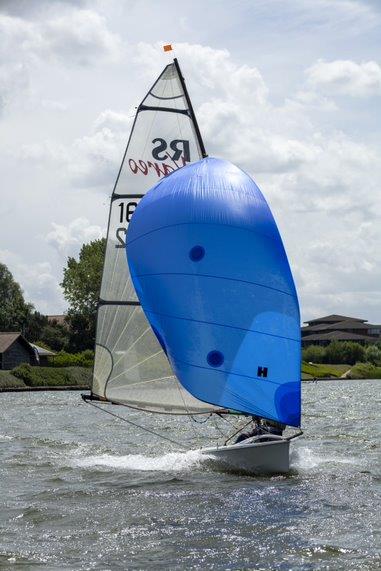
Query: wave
point(304, 459)
point(171, 462)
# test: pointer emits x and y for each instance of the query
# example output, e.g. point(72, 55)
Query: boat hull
point(254, 457)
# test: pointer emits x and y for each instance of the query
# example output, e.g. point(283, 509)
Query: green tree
point(314, 354)
point(34, 326)
point(81, 285)
point(373, 355)
point(344, 352)
point(54, 336)
point(14, 310)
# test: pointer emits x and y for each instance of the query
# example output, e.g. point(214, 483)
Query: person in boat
point(273, 427)
point(260, 427)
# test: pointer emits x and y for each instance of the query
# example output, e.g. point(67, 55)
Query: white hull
point(258, 455)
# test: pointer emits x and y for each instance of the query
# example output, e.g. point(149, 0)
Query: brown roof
point(350, 324)
point(337, 336)
point(334, 319)
point(60, 319)
point(7, 338)
point(347, 324)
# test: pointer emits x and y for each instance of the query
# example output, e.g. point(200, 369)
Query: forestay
point(130, 366)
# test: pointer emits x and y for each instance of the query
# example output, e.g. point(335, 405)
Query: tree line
point(81, 286)
point(338, 352)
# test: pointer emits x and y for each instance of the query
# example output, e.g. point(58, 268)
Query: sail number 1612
point(126, 210)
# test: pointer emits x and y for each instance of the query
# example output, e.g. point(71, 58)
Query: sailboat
point(202, 318)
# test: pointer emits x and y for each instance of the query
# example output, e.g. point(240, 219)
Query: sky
point(287, 90)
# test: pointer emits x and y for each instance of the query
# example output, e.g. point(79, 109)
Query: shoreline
point(36, 389)
point(87, 388)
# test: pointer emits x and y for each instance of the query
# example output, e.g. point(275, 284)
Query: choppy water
point(80, 490)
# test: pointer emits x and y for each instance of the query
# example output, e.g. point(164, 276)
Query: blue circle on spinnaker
point(197, 253)
point(215, 358)
point(287, 403)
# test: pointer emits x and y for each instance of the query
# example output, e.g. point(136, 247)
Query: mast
point(190, 108)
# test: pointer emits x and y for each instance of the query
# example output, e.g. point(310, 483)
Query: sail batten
point(130, 365)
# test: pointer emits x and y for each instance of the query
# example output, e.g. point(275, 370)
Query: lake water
point(81, 490)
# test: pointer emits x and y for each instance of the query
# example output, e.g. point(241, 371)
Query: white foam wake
point(171, 462)
point(305, 459)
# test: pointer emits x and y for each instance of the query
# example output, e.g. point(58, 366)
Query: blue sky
point(290, 91)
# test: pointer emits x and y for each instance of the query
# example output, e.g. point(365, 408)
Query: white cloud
point(13, 78)
point(114, 121)
point(75, 36)
point(38, 281)
point(79, 37)
point(72, 36)
point(346, 77)
point(319, 171)
point(214, 70)
point(68, 240)
point(95, 158)
point(307, 99)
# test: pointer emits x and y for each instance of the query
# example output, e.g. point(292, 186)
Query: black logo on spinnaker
point(262, 372)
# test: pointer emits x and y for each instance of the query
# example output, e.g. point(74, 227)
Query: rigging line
point(231, 423)
point(116, 260)
point(124, 328)
point(182, 396)
point(137, 364)
point(201, 421)
point(239, 430)
point(184, 100)
point(135, 424)
point(116, 270)
point(217, 428)
point(132, 345)
point(125, 325)
point(150, 381)
point(100, 325)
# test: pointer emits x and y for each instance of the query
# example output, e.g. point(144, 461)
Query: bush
point(7, 381)
point(314, 354)
point(63, 359)
point(373, 355)
point(344, 352)
point(365, 371)
point(52, 377)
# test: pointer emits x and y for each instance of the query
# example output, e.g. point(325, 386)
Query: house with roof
point(323, 330)
point(15, 350)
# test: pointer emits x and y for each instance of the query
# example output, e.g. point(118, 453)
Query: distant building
point(56, 319)
point(339, 328)
point(15, 350)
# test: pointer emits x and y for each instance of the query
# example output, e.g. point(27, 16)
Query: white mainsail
point(130, 365)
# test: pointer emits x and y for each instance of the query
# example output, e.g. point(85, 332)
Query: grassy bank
point(320, 371)
point(27, 376)
point(358, 371)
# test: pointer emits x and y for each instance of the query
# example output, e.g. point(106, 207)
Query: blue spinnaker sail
point(210, 270)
